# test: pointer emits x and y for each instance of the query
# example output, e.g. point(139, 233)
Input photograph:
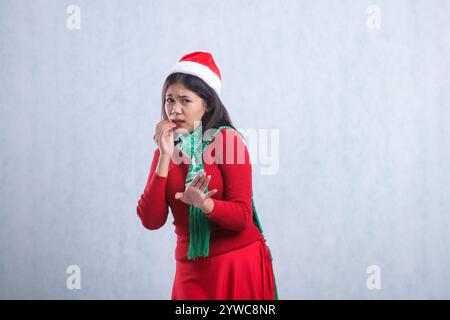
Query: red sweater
point(227, 160)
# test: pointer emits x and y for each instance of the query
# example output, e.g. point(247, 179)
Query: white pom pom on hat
point(202, 65)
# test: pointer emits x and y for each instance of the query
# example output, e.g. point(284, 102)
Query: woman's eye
point(186, 100)
point(168, 100)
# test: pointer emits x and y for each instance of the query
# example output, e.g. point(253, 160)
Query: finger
point(195, 180)
point(155, 137)
point(210, 193)
point(205, 183)
point(200, 180)
point(163, 128)
point(198, 176)
point(178, 195)
point(162, 122)
point(170, 133)
point(158, 129)
point(167, 129)
point(158, 126)
point(161, 125)
point(158, 136)
point(156, 133)
point(168, 125)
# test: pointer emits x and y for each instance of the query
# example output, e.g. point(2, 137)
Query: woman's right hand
point(164, 137)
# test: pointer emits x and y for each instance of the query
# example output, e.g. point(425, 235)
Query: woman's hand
point(164, 137)
point(194, 193)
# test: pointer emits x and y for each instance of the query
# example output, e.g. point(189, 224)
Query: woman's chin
point(181, 129)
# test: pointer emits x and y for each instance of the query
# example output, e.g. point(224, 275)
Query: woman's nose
point(176, 108)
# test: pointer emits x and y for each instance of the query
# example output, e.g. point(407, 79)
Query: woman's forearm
point(162, 167)
point(152, 206)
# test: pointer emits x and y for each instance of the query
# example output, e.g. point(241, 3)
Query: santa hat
point(202, 65)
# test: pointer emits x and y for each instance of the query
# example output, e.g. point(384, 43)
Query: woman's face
point(184, 107)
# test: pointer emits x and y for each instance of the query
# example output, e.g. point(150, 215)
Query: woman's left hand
point(194, 193)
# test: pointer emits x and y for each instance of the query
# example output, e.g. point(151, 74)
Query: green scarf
point(193, 146)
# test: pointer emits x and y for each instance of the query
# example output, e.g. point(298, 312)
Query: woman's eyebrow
point(169, 95)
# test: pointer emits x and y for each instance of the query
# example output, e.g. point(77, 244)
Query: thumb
point(210, 193)
point(178, 195)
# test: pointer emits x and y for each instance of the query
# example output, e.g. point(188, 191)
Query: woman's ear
point(205, 106)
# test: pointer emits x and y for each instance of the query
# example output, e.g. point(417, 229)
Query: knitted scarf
point(193, 146)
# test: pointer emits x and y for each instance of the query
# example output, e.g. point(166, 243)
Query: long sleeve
point(152, 206)
point(235, 211)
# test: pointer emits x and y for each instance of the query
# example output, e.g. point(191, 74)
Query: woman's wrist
point(207, 206)
point(162, 168)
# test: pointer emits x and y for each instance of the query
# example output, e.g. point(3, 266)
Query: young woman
point(205, 177)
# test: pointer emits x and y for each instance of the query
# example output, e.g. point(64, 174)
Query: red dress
point(239, 264)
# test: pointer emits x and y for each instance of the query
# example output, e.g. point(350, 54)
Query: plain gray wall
point(363, 119)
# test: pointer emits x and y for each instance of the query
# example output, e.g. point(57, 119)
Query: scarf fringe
point(200, 234)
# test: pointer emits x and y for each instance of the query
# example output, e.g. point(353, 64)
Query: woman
point(205, 177)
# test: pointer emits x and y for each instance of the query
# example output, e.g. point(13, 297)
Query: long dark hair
point(216, 114)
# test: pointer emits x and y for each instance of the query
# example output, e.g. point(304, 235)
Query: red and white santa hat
point(202, 65)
